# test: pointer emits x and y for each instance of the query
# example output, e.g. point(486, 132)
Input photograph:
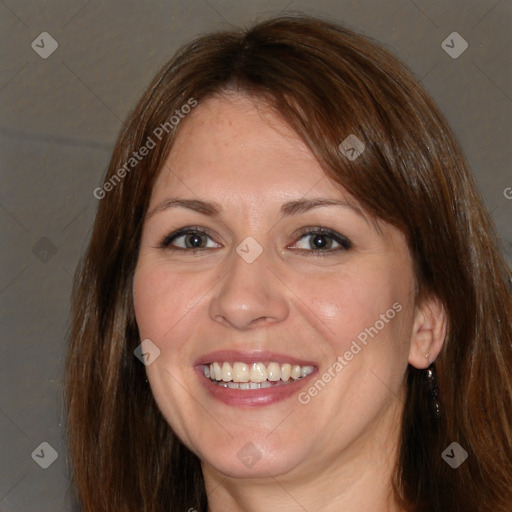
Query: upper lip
point(250, 356)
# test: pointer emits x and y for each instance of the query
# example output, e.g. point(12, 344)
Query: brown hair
point(327, 82)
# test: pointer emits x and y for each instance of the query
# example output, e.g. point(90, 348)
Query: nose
point(250, 295)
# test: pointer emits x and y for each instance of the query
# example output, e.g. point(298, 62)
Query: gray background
point(60, 118)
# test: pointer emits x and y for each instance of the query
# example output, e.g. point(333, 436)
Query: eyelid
point(168, 239)
point(344, 243)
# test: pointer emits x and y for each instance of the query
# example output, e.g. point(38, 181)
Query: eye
point(188, 238)
point(322, 240)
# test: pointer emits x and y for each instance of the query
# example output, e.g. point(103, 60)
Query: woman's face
point(252, 259)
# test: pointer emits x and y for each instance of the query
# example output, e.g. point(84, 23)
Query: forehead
point(236, 146)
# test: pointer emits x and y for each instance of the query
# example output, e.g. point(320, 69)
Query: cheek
point(361, 305)
point(165, 305)
point(161, 304)
point(148, 298)
point(161, 298)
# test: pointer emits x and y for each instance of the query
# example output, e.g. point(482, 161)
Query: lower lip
point(251, 397)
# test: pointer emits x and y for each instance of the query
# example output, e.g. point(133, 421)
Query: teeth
point(245, 385)
point(240, 372)
point(258, 372)
point(295, 371)
point(217, 371)
point(286, 371)
point(227, 372)
point(255, 375)
point(273, 372)
point(305, 371)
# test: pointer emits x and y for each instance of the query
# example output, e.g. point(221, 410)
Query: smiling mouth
point(238, 375)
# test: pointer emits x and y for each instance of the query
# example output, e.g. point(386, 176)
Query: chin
point(251, 457)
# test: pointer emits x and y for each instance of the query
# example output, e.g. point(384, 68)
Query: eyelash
point(344, 243)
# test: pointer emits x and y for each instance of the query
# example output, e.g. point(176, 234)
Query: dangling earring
point(433, 390)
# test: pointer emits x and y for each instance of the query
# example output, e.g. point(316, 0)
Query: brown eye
point(322, 240)
point(188, 239)
point(195, 240)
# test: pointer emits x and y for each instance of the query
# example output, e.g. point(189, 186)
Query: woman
point(293, 298)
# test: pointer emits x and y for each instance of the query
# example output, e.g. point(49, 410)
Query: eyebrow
point(304, 205)
point(212, 209)
point(208, 208)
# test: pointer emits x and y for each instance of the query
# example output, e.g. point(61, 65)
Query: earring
point(433, 391)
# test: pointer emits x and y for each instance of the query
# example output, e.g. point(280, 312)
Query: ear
point(428, 333)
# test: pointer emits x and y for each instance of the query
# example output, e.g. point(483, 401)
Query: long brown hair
point(327, 82)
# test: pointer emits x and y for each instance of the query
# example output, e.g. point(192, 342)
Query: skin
point(338, 451)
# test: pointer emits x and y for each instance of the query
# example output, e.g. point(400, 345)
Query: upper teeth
point(255, 372)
